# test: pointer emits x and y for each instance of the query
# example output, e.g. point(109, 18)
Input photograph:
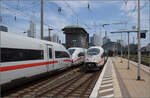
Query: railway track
point(70, 84)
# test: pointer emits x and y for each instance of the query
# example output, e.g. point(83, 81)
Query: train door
point(59, 57)
point(50, 58)
point(81, 55)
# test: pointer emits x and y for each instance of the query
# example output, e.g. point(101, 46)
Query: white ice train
point(24, 57)
point(77, 54)
point(94, 59)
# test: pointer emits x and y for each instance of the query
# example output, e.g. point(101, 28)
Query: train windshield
point(71, 51)
point(93, 51)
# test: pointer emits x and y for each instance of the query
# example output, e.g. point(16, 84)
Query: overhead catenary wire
point(57, 7)
point(78, 18)
point(19, 11)
point(22, 12)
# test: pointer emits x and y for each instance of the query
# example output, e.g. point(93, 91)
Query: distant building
point(112, 48)
point(47, 38)
point(148, 47)
point(121, 42)
point(60, 41)
point(3, 28)
point(143, 49)
point(91, 41)
point(106, 40)
point(55, 38)
point(97, 40)
point(76, 36)
point(133, 48)
point(32, 31)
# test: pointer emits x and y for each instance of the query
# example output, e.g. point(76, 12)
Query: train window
point(80, 54)
point(50, 53)
point(93, 51)
point(11, 54)
point(61, 54)
point(71, 51)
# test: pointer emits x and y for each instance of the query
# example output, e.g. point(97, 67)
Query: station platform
point(118, 81)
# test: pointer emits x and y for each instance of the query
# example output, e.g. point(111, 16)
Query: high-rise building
point(106, 40)
point(91, 41)
point(55, 38)
point(32, 31)
point(97, 40)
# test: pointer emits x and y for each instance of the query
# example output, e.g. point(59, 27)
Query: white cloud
point(71, 7)
point(58, 22)
point(20, 14)
point(130, 11)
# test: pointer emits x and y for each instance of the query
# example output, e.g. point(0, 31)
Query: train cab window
point(66, 55)
point(50, 53)
point(80, 54)
point(71, 51)
point(93, 51)
point(61, 54)
point(12, 54)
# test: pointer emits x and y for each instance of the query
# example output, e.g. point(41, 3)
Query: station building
point(76, 36)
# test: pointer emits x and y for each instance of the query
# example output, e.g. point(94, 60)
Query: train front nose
point(90, 59)
point(90, 64)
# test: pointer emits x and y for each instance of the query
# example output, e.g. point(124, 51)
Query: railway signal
point(143, 35)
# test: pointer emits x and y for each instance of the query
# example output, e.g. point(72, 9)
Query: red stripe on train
point(100, 61)
point(7, 68)
point(67, 60)
point(77, 59)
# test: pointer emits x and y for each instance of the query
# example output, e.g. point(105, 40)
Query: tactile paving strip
point(106, 88)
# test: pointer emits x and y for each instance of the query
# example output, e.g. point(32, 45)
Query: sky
point(120, 14)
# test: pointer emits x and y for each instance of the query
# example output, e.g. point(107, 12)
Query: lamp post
point(121, 47)
point(42, 19)
point(128, 50)
point(128, 44)
point(135, 31)
point(139, 42)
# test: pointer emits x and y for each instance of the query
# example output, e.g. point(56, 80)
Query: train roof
point(24, 41)
point(76, 48)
